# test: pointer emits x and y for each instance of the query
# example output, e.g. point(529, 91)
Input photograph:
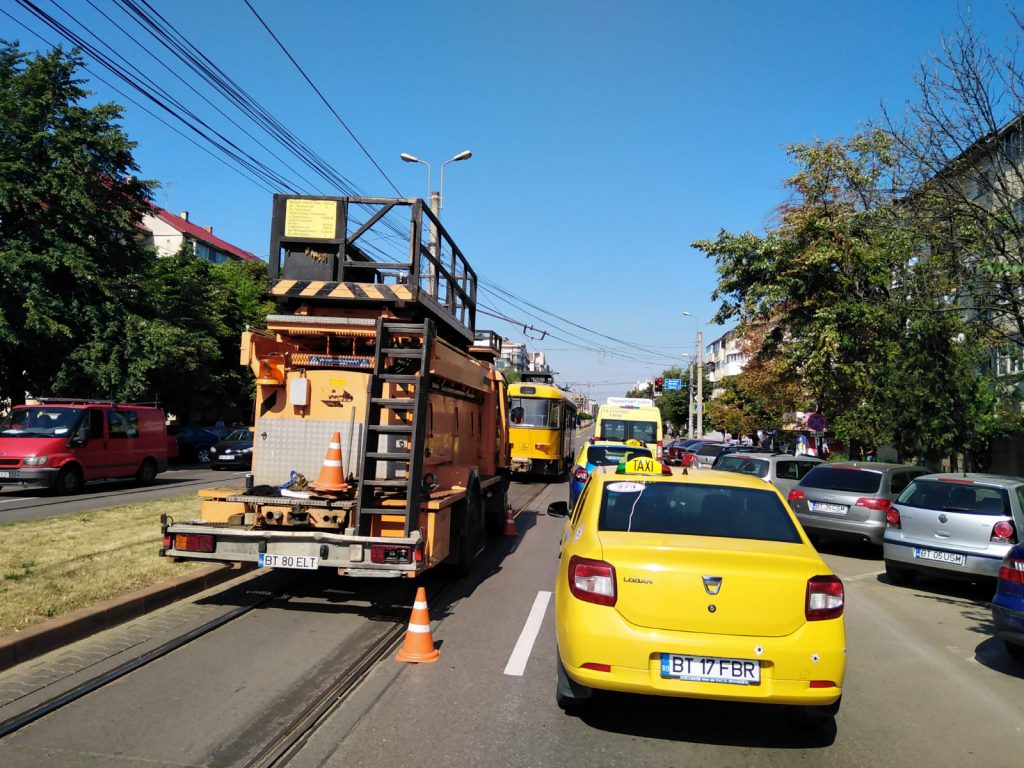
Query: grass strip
point(61, 564)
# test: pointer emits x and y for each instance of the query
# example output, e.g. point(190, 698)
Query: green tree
point(70, 260)
point(838, 291)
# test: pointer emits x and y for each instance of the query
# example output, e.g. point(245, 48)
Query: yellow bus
point(542, 425)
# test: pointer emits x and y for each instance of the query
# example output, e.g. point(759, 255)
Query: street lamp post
point(436, 203)
point(700, 376)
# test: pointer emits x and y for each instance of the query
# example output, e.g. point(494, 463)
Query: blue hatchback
point(600, 454)
point(1008, 604)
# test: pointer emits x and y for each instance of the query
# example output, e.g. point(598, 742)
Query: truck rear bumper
point(349, 554)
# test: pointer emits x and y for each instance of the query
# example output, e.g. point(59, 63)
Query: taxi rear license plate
point(824, 506)
point(953, 558)
point(302, 562)
point(708, 669)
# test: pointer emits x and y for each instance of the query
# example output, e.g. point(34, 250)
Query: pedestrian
point(220, 423)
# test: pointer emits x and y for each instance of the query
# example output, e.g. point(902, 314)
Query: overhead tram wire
point(322, 98)
point(145, 109)
point(198, 93)
point(224, 145)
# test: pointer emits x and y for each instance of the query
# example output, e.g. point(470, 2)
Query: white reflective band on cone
point(331, 463)
point(419, 604)
point(419, 629)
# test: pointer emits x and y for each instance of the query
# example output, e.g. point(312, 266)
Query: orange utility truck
point(380, 438)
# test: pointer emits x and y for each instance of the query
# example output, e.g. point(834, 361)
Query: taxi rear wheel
point(569, 695)
point(814, 718)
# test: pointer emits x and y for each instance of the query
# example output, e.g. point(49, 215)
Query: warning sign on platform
point(311, 218)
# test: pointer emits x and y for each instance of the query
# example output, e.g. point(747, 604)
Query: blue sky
point(606, 137)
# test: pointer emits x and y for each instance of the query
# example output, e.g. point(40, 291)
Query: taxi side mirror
point(558, 509)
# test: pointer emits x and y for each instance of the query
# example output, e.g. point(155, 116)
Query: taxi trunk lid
point(762, 585)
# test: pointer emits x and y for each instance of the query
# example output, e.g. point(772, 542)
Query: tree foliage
point(69, 208)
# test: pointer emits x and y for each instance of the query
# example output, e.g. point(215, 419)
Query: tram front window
point(533, 412)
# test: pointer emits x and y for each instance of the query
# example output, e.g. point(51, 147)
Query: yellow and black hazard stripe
point(326, 289)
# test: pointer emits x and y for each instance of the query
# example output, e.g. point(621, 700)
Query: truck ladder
point(409, 367)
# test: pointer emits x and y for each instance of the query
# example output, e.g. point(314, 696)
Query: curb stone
point(29, 643)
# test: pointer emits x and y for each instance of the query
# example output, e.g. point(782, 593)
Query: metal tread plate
point(290, 501)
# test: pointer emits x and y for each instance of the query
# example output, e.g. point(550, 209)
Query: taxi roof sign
point(642, 465)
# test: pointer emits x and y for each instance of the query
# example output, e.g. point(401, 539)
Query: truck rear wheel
point(497, 505)
point(471, 520)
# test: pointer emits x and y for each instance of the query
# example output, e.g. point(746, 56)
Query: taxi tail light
point(892, 518)
point(797, 495)
point(194, 542)
point(579, 474)
point(1004, 532)
point(1012, 570)
point(825, 598)
point(592, 581)
point(879, 505)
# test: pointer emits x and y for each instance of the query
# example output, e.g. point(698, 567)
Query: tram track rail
point(285, 745)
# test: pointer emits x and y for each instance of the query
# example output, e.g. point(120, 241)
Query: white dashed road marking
point(524, 645)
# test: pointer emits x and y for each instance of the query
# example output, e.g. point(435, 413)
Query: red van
point(61, 443)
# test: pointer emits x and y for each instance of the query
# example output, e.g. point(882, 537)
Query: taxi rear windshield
point(695, 510)
point(611, 455)
point(623, 429)
point(956, 497)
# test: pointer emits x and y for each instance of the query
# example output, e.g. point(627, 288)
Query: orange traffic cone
point(510, 524)
point(332, 477)
point(419, 643)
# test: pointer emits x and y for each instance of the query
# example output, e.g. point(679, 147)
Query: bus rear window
point(623, 429)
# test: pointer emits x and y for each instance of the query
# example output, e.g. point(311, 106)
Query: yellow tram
point(542, 425)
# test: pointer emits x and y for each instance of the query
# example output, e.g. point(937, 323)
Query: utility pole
point(700, 385)
point(689, 411)
point(435, 208)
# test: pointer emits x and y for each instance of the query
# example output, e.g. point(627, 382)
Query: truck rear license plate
point(953, 558)
point(302, 562)
point(707, 669)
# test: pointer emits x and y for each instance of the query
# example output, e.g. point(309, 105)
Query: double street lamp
point(700, 376)
point(436, 198)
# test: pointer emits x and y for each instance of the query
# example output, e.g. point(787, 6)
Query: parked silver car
point(708, 452)
point(954, 525)
point(850, 498)
point(783, 470)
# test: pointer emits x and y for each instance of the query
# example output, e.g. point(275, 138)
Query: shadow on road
point(846, 547)
point(702, 722)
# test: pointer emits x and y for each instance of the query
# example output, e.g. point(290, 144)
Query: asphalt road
point(32, 504)
point(927, 685)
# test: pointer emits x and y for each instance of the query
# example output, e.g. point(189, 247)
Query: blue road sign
point(673, 383)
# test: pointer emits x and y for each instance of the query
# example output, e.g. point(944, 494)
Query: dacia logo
point(712, 584)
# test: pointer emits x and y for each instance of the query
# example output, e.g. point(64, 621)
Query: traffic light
point(659, 385)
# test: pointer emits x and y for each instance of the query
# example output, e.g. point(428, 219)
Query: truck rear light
point(579, 474)
point(1012, 570)
point(1004, 533)
point(167, 541)
point(892, 518)
point(825, 598)
point(879, 505)
point(194, 542)
point(797, 495)
point(592, 581)
point(390, 553)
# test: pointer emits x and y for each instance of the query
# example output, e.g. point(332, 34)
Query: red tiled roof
point(201, 234)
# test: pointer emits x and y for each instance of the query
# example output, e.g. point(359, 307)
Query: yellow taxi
point(698, 585)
